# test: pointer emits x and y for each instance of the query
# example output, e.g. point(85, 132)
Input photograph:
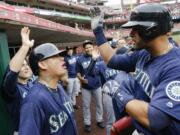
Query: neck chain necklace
point(49, 88)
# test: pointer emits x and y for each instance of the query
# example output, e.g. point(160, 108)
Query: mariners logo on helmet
point(173, 90)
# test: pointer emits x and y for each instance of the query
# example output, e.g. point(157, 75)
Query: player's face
point(55, 66)
point(25, 71)
point(70, 52)
point(137, 40)
point(88, 49)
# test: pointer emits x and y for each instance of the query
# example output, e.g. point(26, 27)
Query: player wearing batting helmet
point(47, 110)
point(156, 67)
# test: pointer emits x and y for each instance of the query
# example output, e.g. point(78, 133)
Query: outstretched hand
point(95, 54)
point(25, 32)
point(97, 17)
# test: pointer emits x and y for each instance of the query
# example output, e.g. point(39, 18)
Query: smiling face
point(88, 49)
point(137, 40)
point(25, 72)
point(70, 52)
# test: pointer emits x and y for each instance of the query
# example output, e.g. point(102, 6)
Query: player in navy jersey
point(91, 86)
point(47, 110)
point(73, 86)
point(78, 53)
point(106, 75)
point(156, 67)
point(16, 84)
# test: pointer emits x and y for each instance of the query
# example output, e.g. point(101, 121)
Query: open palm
point(25, 32)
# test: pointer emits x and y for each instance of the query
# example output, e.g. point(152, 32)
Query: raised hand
point(95, 54)
point(97, 17)
point(25, 32)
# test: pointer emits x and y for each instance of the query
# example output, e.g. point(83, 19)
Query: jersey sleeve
point(166, 96)
point(9, 83)
point(31, 120)
point(126, 62)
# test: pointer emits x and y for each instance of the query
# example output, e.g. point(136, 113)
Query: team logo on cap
point(173, 90)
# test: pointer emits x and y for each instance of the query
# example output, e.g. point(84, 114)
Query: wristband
point(100, 37)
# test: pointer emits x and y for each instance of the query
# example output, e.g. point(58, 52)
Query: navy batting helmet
point(41, 53)
point(150, 20)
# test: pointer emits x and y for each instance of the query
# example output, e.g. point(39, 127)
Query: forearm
point(18, 59)
point(138, 110)
point(105, 49)
point(106, 52)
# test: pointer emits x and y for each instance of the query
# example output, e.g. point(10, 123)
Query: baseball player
point(16, 84)
point(78, 53)
point(91, 86)
point(47, 110)
point(156, 68)
point(106, 75)
point(72, 87)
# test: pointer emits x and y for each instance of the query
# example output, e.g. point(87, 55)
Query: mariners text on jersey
point(58, 121)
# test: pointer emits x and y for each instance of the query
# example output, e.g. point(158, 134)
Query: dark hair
point(87, 42)
point(69, 48)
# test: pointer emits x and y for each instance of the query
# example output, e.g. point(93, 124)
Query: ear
point(42, 65)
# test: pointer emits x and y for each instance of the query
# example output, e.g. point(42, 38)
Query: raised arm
point(18, 59)
point(97, 18)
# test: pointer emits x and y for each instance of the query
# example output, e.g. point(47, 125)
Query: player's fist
point(97, 17)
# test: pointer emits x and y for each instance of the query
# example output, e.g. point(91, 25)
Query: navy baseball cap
point(87, 42)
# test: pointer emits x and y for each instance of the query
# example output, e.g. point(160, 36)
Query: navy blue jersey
point(92, 77)
point(13, 93)
point(78, 55)
point(159, 76)
point(105, 72)
point(47, 112)
point(71, 65)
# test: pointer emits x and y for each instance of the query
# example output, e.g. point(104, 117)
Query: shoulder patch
point(173, 90)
